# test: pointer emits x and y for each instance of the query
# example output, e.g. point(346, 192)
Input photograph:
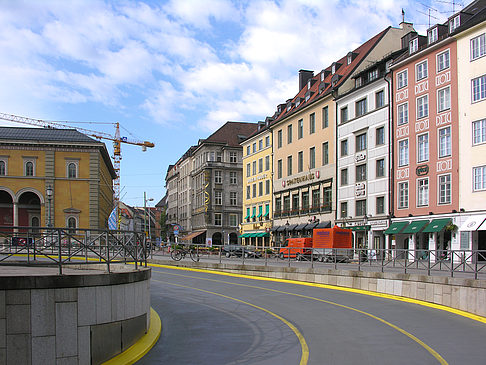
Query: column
point(15, 215)
point(411, 247)
point(432, 245)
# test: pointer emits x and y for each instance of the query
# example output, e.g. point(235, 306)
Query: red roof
point(232, 133)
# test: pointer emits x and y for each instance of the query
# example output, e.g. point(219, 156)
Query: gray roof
point(44, 134)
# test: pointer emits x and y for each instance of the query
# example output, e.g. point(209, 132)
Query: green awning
point(253, 216)
point(437, 225)
point(248, 216)
point(396, 227)
point(244, 235)
point(415, 226)
point(259, 215)
point(360, 228)
point(266, 214)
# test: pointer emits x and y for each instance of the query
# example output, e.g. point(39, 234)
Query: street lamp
point(49, 193)
point(145, 200)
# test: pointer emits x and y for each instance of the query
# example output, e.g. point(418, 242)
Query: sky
point(173, 72)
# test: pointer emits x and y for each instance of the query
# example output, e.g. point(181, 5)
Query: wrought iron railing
point(46, 246)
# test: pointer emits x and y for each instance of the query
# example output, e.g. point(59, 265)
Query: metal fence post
point(59, 250)
point(107, 251)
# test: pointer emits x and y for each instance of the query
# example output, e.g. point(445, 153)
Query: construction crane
point(117, 141)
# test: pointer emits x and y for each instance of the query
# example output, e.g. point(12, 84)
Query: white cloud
point(200, 13)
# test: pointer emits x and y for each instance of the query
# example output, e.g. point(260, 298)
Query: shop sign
point(422, 170)
point(299, 179)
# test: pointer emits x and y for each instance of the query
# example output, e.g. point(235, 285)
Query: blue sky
point(172, 72)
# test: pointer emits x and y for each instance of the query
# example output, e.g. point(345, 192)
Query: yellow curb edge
point(142, 346)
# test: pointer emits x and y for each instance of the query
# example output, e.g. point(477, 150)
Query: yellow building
point(51, 176)
point(257, 187)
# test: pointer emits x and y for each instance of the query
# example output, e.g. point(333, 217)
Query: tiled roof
point(321, 88)
point(44, 135)
point(232, 133)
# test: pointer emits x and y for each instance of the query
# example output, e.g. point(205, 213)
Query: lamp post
point(49, 193)
point(145, 200)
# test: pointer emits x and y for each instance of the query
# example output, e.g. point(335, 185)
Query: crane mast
point(117, 141)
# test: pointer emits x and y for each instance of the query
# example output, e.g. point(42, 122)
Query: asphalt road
point(219, 319)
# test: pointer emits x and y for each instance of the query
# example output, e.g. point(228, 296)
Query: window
point(444, 142)
point(254, 147)
point(233, 178)
point(71, 223)
point(248, 192)
point(423, 192)
point(72, 170)
point(413, 45)
point(233, 157)
point(445, 189)
point(218, 219)
point(478, 88)
point(289, 165)
point(312, 158)
point(267, 187)
point(325, 117)
point(260, 165)
point(248, 170)
point(380, 99)
point(479, 131)
point(380, 136)
point(295, 202)
point(403, 195)
point(403, 152)
point(267, 141)
point(380, 205)
point(325, 153)
point(254, 167)
point(289, 134)
point(478, 46)
point(327, 199)
point(402, 79)
point(344, 114)
point(403, 113)
point(433, 35)
point(422, 106)
point(233, 220)
point(358, 82)
point(279, 139)
point(254, 191)
point(349, 59)
point(454, 23)
point(267, 163)
point(219, 157)
point(233, 198)
point(29, 168)
point(380, 167)
point(443, 61)
point(361, 172)
point(344, 177)
point(443, 99)
point(316, 198)
point(260, 188)
point(3, 168)
point(260, 144)
point(344, 147)
point(218, 197)
point(300, 161)
point(305, 199)
point(267, 211)
point(312, 123)
point(421, 70)
point(300, 127)
point(278, 204)
point(360, 207)
point(373, 75)
point(360, 107)
point(423, 147)
point(479, 178)
point(344, 209)
point(248, 151)
point(361, 142)
point(279, 169)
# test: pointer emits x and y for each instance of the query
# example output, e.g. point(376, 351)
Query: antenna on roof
point(403, 16)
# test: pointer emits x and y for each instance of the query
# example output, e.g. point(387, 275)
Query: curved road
point(220, 319)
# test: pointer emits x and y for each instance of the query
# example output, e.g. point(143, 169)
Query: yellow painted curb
point(142, 346)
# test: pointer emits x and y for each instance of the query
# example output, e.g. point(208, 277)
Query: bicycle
point(179, 253)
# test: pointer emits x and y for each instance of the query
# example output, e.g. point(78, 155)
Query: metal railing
point(453, 263)
point(44, 246)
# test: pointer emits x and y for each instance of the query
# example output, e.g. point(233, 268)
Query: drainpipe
point(391, 186)
point(336, 179)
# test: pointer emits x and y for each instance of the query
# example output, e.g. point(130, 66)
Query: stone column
point(15, 215)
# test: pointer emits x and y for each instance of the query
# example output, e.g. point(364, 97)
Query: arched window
point(71, 224)
point(72, 170)
point(3, 170)
point(29, 168)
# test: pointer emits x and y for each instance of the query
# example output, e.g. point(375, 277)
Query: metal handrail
point(65, 246)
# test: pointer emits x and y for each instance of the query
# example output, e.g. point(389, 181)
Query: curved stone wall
point(83, 317)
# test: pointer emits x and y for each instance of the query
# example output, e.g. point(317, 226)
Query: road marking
point(303, 344)
point(434, 353)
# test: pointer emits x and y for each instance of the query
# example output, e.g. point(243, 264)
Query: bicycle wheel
point(176, 255)
point(194, 255)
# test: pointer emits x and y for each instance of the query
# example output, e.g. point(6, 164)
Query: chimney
point(304, 76)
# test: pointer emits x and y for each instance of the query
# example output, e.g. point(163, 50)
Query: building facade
point(257, 187)
point(54, 177)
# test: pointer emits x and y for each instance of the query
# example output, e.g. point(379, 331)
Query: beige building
point(257, 187)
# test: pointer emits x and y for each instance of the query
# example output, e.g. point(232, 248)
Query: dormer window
point(433, 35)
point(322, 76)
point(309, 84)
point(350, 59)
point(333, 69)
point(373, 74)
point(454, 23)
point(289, 106)
point(358, 82)
point(413, 45)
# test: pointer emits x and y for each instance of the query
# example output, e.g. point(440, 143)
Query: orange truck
point(326, 244)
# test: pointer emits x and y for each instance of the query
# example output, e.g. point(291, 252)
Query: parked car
point(238, 251)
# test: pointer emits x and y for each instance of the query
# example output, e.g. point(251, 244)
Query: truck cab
point(297, 248)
